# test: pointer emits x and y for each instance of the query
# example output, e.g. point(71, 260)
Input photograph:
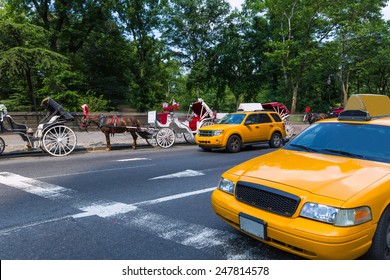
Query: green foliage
point(72, 101)
point(299, 52)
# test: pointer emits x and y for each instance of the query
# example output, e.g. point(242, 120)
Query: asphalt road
point(146, 204)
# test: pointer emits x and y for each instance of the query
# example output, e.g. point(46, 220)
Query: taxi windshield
point(232, 119)
point(355, 140)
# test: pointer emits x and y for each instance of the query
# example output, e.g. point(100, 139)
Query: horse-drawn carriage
point(168, 125)
point(162, 128)
point(51, 135)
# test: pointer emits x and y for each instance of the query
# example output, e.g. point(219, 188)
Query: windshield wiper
point(306, 148)
point(344, 153)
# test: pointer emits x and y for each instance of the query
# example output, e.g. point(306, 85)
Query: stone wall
point(32, 119)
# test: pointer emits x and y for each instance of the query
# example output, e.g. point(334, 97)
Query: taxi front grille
point(205, 133)
point(266, 198)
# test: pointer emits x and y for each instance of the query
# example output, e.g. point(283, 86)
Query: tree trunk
point(294, 98)
point(30, 87)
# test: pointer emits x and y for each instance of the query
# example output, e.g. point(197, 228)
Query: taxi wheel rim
point(276, 139)
point(234, 144)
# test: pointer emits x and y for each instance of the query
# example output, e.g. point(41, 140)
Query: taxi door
point(251, 128)
point(266, 126)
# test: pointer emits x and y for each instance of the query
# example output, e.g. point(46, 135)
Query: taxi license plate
point(253, 226)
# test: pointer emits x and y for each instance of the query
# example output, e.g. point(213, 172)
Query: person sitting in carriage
point(171, 106)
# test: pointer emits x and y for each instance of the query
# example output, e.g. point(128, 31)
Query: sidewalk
point(94, 141)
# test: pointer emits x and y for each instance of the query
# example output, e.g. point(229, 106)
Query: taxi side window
point(264, 118)
point(276, 117)
point(252, 119)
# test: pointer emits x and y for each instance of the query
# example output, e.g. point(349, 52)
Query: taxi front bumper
point(210, 141)
point(300, 236)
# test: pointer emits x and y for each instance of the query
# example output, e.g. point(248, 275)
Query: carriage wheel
point(290, 129)
point(2, 145)
point(150, 136)
point(189, 137)
point(151, 141)
point(59, 140)
point(165, 137)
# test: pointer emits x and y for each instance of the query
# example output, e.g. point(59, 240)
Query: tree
point(22, 53)
point(69, 23)
point(192, 29)
point(140, 20)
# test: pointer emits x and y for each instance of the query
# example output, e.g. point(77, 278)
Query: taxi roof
point(250, 107)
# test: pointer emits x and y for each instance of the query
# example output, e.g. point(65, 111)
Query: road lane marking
point(213, 241)
point(96, 171)
point(36, 187)
point(185, 173)
point(173, 197)
point(105, 209)
point(101, 208)
point(133, 159)
point(8, 231)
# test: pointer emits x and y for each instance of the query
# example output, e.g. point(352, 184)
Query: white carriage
point(169, 125)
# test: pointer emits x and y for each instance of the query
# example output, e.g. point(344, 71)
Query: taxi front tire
point(276, 140)
point(234, 144)
point(380, 247)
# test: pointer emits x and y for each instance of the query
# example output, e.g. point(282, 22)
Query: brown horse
point(313, 117)
point(112, 124)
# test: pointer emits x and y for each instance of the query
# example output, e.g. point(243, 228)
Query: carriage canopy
point(201, 109)
point(55, 109)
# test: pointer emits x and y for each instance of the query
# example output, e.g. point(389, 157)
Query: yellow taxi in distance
point(242, 128)
point(325, 194)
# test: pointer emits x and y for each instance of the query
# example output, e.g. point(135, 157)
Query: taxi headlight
point(226, 186)
point(336, 216)
point(217, 132)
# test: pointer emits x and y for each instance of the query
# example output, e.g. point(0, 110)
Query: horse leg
point(135, 136)
point(108, 143)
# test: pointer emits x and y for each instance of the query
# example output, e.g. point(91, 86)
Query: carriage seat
point(162, 118)
point(194, 123)
point(9, 125)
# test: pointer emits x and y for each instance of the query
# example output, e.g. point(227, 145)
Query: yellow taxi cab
point(325, 194)
point(242, 128)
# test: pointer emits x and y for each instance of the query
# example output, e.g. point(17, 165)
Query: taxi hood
point(327, 175)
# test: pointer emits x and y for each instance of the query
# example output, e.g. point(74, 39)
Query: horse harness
point(113, 123)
